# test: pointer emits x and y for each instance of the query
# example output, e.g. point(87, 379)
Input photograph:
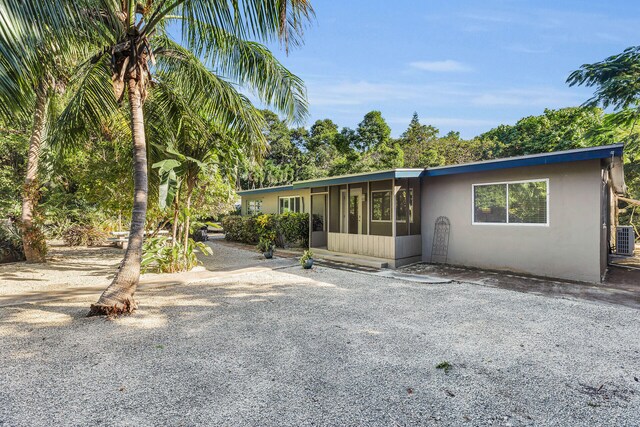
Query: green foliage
point(293, 228)
point(160, 255)
point(285, 230)
point(306, 256)
point(265, 245)
point(240, 229)
point(14, 140)
point(617, 80)
point(419, 145)
point(563, 129)
point(445, 366)
point(10, 242)
point(372, 131)
point(84, 235)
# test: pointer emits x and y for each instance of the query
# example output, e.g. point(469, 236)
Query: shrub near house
point(291, 229)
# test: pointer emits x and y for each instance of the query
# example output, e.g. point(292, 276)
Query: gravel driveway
point(290, 347)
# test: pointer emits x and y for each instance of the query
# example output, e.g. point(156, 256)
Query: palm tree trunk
point(188, 218)
point(118, 297)
point(32, 239)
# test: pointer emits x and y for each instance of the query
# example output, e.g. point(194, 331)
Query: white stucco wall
point(568, 248)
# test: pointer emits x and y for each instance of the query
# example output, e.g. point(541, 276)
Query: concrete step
point(365, 261)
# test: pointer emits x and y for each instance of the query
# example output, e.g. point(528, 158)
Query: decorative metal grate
point(440, 248)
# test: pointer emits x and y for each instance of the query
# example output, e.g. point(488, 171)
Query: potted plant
point(266, 247)
point(306, 261)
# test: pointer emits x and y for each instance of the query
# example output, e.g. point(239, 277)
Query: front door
point(351, 211)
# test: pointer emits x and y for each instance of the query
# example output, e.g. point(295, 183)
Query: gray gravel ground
point(292, 347)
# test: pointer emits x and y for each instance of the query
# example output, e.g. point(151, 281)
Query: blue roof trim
point(265, 190)
point(591, 153)
point(349, 179)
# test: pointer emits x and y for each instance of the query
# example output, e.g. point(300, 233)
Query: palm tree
point(141, 54)
point(32, 71)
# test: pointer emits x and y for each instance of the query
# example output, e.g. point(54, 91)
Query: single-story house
point(541, 214)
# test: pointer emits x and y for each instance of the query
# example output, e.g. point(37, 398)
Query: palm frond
point(252, 66)
point(92, 104)
point(213, 97)
point(266, 21)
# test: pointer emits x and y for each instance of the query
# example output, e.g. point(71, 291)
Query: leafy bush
point(158, 254)
point(285, 230)
point(240, 229)
point(294, 228)
point(10, 242)
point(83, 235)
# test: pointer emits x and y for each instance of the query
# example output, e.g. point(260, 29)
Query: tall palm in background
point(140, 54)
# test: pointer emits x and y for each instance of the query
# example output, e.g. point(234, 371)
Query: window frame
point(391, 206)
point(259, 211)
point(522, 181)
point(289, 202)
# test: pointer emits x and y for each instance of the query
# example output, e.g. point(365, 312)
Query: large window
point(522, 202)
point(290, 204)
point(381, 205)
point(254, 207)
point(404, 206)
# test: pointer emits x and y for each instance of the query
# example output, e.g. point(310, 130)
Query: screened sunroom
point(374, 214)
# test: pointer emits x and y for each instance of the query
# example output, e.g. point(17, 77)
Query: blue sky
point(462, 65)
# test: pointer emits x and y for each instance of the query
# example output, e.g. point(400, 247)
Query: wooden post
point(393, 207)
point(310, 217)
point(367, 198)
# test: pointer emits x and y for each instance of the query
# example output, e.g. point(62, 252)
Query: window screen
point(490, 203)
point(528, 202)
point(510, 203)
point(381, 205)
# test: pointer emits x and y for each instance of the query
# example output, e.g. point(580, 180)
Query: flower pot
point(308, 264)
point(268, 254)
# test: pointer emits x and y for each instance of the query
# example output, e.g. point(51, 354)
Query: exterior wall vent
point(625, 240)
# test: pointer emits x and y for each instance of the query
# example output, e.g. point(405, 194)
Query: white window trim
point(371, 206)
point(291, 197)
point(259, 212)
point(512, 224)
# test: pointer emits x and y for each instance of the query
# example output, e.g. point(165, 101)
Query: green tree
point(562, 129)
point(33, 67)
point(617, 84)
point(372, 131)
point(418, 143)
point(140, 50)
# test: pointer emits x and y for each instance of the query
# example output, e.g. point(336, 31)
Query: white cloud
point(446, 66)
point(363, 92)
point(538, 97)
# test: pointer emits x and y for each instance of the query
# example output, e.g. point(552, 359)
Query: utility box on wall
point(625, 240)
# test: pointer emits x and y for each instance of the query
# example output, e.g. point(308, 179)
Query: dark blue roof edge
point(265, 190)
point(602, 152)
point(590, 153)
